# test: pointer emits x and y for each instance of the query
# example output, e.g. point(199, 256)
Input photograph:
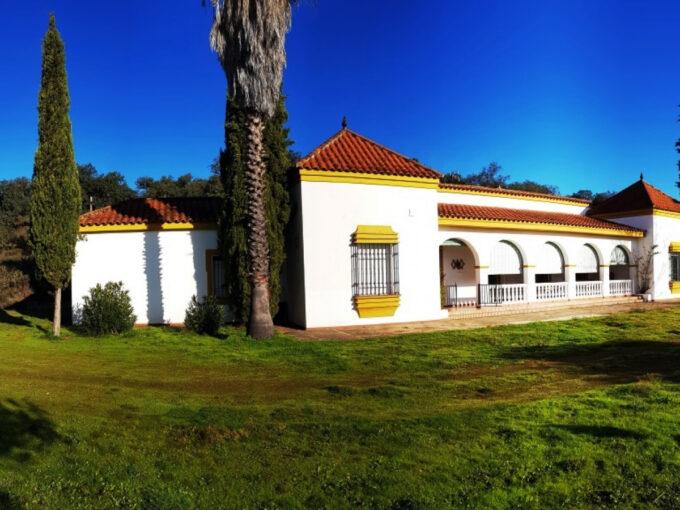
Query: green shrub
point(204, 317)
point(107, 310)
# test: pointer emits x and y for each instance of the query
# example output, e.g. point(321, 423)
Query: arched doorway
point(506, 265)
point(458, 274)
point(588, 282)
point(587, 264)
point(550, 264)
point(550, 276)
point(620, 281)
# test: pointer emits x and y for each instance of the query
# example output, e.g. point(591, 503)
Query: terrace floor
point(469, 318)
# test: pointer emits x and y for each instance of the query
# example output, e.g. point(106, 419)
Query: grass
point(575, 414)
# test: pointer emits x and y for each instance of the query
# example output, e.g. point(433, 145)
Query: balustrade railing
point(620, 287)
point(545, 291)
point(501, 294)
point(589, 289)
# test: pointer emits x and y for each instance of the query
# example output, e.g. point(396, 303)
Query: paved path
point(404, 328)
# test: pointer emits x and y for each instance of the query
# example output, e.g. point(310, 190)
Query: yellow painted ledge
point(307, 175)
point(675, 287)
point(143, 227)
point(376, 306)
point(536, 227)
point(674, 247)
point(375, 234)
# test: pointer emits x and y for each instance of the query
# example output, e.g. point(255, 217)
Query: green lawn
point(584, 413)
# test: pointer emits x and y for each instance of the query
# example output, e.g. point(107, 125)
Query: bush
point(107, 310)
point(204, 317)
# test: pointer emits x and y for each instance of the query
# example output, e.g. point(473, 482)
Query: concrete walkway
point(572, 311)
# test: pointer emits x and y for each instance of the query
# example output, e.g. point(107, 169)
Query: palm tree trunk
point(261, 324)
point(56, 323)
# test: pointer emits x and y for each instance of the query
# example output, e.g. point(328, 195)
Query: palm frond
point(248, 37)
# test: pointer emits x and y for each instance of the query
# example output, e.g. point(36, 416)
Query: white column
point(570, 278)
point(530, 282)
point(604, 278)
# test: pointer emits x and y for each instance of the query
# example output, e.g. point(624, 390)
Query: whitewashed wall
point(665, 231)
point(331, 213)
point(162, 270)
point(508, 203)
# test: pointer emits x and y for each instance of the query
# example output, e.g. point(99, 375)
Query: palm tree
point(248, 37)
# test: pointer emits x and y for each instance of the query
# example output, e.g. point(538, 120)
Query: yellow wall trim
point(675, 287)
point(377, 306)
point(361, 178)
point(375, 234)
point(536, 227)
point(492, 193)
point(143, 227)
point(674, 247)
point(639, 212)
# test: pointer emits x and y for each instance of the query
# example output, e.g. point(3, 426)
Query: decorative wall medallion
point(457, 264)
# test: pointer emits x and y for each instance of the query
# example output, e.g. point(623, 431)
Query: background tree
point(534, 187)
point(104, 189)
point(184, 186)
point(55, 194)
point(249, 36)
point(234, 218)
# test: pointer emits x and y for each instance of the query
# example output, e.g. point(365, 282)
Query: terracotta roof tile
point(153, 211)
point(474, 212)
point(347, 151)
point(637, 197)
point(510, 192)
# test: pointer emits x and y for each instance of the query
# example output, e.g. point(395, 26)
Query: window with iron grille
point(218, 279)
point(375, 269)
point(675, 267)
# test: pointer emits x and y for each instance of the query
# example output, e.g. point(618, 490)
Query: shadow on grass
point(23, 425)
point(601, 432)
point(615, 362)
point(6, 318)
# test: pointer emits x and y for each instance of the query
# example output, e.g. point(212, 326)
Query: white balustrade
point(620, 287)
point(545, 291)
point(589, 289)
point(500, 294)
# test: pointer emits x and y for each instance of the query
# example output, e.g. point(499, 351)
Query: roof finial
point(344, 122)
point(642, 177)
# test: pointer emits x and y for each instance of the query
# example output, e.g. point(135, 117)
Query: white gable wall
point(161, 269)
point(332, 212)
point(665, 231)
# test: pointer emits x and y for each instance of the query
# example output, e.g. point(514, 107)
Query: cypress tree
point(234, 218)
point(55, 196)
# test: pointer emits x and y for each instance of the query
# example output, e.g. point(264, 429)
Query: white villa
point(376, 237)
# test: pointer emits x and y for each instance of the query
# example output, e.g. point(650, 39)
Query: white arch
point(619, 256)
point(505, 259)
point(588, 260)
point(550, 259)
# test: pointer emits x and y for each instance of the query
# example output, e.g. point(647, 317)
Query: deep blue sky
point(573, 93)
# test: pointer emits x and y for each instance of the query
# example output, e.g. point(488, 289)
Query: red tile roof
point(154, 211)
point(511, 192)
point(475, 212)
point(347, 151)
point(640, 196)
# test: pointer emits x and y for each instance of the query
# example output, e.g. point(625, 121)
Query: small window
point(216, 276)
point(375, 269)
point(675, 267)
